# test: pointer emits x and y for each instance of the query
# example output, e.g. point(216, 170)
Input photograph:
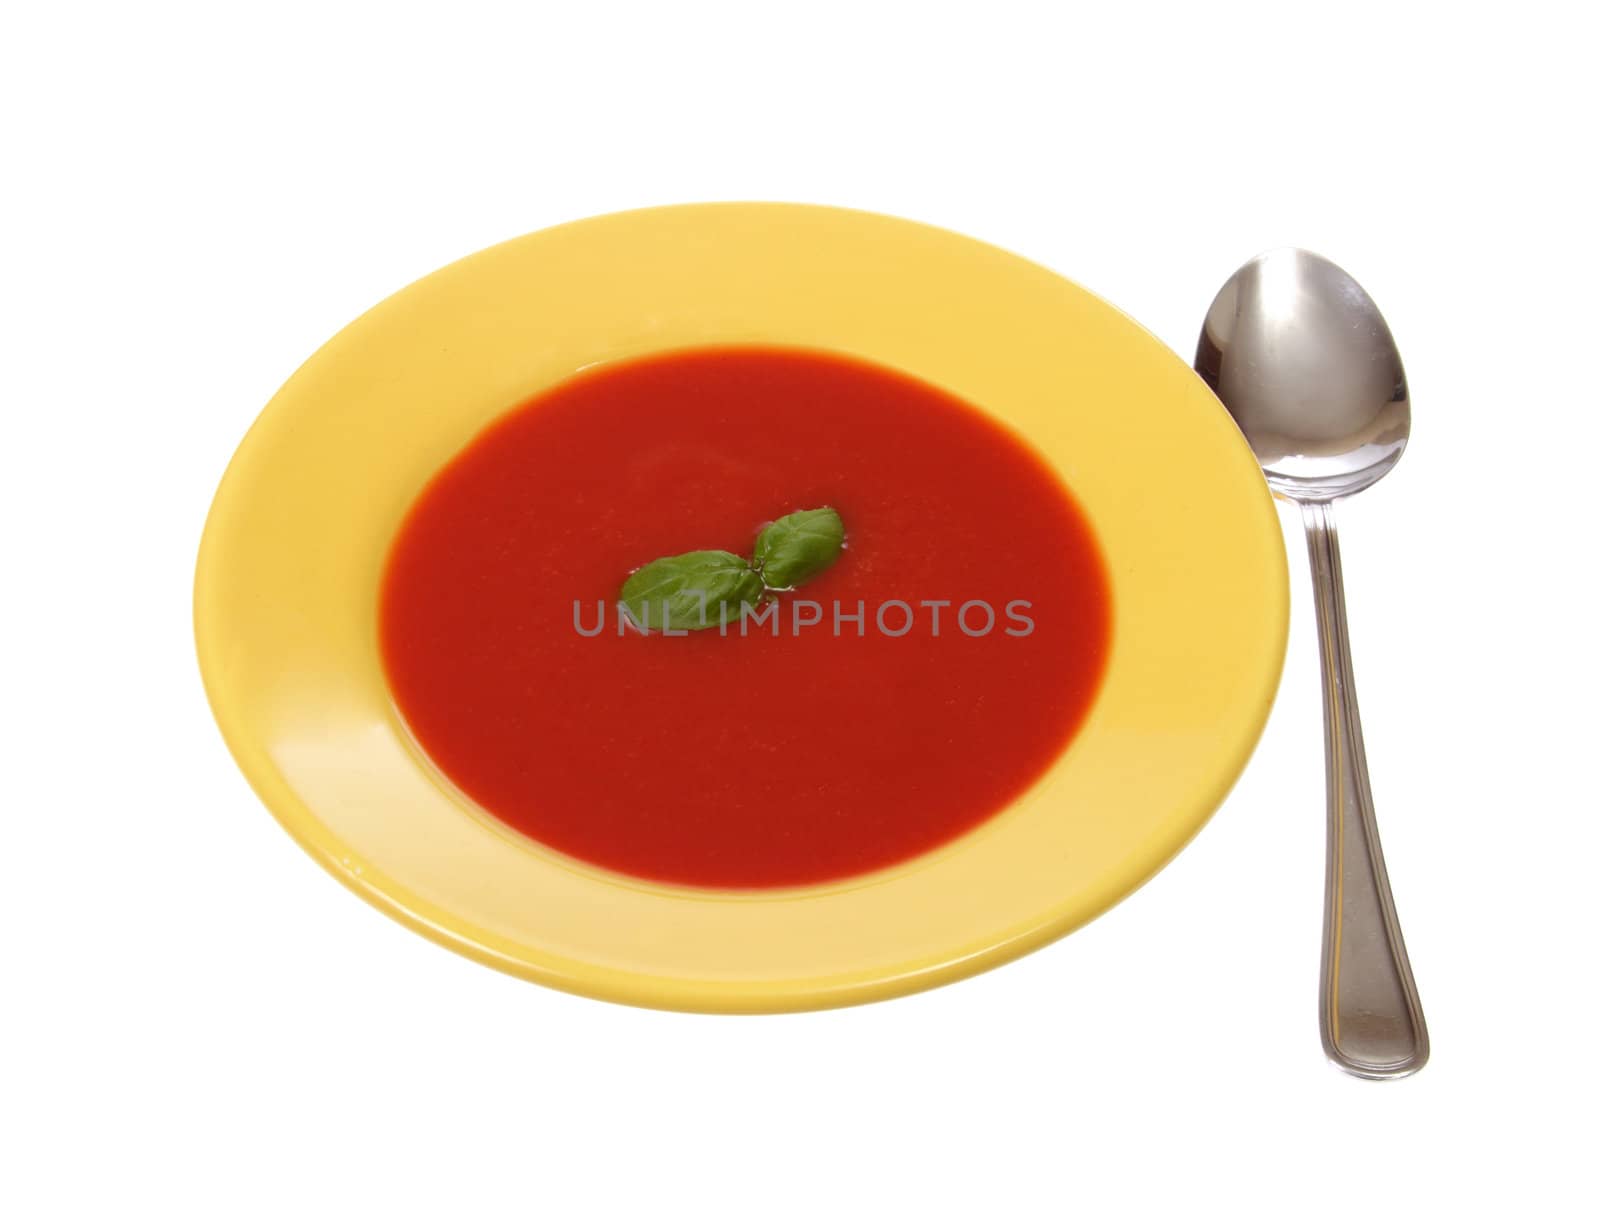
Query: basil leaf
point(687, 592)
point(798, 547)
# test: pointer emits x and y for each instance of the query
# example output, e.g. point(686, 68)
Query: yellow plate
point(286, 597)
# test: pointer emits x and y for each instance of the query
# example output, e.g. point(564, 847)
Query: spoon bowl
point(1303, 360)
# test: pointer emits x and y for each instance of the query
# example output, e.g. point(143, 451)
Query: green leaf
point(690, 592)
point(799, 547)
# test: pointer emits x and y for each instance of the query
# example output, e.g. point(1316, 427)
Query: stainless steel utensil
point(1304, 362)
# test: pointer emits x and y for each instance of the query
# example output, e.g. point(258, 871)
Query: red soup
point(891, 703)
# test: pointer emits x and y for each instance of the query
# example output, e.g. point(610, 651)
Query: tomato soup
point(889, 704)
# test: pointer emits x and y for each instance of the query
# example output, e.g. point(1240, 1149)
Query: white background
point(202, 1027)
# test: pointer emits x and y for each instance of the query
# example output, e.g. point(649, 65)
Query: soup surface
point(889, 704)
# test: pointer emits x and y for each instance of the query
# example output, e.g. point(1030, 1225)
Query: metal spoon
point(1305, 364)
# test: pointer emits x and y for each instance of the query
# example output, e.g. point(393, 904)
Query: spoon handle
point(1372, 1024)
